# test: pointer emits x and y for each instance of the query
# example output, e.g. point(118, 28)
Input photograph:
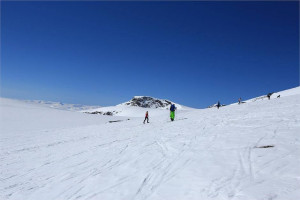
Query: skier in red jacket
point(146, 117)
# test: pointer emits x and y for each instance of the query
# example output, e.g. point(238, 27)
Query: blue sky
point(104, 53)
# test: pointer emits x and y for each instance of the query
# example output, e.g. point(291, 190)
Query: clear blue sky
point(193, 53)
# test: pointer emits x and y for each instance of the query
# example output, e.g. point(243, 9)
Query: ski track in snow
point(204, 154)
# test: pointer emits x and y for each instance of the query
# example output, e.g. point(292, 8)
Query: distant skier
point(146, 117)
point(269, 95)
point(240, 100)
point(278, 96)
point(172, 112)
point(218, 105)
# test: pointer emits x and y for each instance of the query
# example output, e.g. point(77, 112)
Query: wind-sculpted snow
point(203, 154)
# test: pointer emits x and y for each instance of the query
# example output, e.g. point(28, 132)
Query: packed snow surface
point(242, 152)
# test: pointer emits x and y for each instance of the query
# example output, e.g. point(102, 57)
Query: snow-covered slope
point(289, 92)
point(240, 152)
point(284, 93)
point(61, 106)
point(20, 116)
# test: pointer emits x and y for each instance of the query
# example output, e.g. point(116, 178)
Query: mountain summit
point(148, 102)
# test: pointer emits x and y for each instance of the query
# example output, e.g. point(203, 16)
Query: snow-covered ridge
point(274, 95)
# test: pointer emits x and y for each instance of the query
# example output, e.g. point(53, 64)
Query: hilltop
point(137, 106)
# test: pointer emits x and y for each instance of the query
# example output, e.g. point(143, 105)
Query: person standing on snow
point(240, 99)
point(269, 95)
point(218, 105)
point(146, 118)
point(172, 112)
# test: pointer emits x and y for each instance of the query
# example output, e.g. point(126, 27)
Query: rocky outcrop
point(148, 102)
point(215, 105)
point(102, 113)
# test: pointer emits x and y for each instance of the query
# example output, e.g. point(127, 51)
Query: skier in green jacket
point(172, 112)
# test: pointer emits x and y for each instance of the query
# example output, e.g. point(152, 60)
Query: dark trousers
point(146, 118)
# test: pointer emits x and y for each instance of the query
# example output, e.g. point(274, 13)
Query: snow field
point(203, 154)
